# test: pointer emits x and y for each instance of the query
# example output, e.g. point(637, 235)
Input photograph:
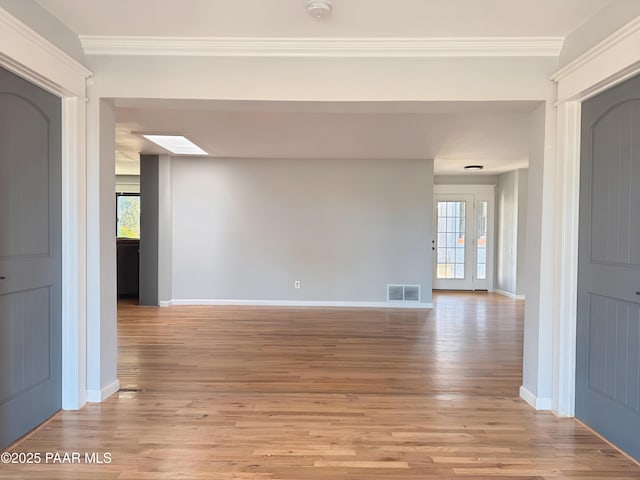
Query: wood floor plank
point(242, 393)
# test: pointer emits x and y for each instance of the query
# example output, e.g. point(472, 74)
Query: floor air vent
point(403, 293)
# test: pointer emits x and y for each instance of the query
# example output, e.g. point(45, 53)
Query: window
point(128, 215)
point(451, 236)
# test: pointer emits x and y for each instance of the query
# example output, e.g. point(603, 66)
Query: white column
point(74, 252)
point(568, 188)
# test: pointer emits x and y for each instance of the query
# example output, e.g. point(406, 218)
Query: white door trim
point(565, 306)
point(612, 61)
point(32, 57)
point(609, 63)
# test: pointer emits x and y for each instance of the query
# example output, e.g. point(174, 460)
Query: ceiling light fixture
point(474, 167)
point(319, 8)
point(178, 144)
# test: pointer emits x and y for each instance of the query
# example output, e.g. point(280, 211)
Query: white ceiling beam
point(323, 47)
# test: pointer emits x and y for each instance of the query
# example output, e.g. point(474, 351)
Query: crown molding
point(600, 49)
point(33, 57)
point(610, 62)
point(391, 47)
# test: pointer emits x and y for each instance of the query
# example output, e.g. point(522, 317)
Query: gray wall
point(45, 24)
point(511, 239)
point(248, 229)
point(149, 228)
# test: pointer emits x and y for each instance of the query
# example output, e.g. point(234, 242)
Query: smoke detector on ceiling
point(319, 8)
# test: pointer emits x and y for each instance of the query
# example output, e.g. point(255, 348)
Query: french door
point(463, 240)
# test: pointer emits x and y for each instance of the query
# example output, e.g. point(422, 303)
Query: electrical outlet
point(296, 284)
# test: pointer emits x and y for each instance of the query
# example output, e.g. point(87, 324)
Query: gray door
point(30, 253)
point(608, 330)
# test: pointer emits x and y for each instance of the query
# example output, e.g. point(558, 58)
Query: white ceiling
point(454, 134)
point(351, 18)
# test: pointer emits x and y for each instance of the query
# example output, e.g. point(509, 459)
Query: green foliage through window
point(128, 212)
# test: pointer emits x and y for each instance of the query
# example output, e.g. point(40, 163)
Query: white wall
point(506, 265)
point(165, 229)
point(538, 325)
point(512, 219)
point(45, 24)
point(614, 16)
point(128, 183)
point(318, 79)
point(248, 229)
point(534, 221)
point(102, 341)
point(465, 179)
point(521, 257)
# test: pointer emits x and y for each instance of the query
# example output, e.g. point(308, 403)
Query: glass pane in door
point(481, 253)
point(128, 216)
point(450, 241)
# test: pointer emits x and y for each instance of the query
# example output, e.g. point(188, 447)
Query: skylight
point(177, 144)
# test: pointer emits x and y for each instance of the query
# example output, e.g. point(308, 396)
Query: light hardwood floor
point(295, 394)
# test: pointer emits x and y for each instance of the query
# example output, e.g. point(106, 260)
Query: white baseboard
point(509, 294)
point(296, 303)
point(539, 403)
point(97, 396)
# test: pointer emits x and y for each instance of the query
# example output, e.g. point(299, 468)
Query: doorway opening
point(128, 243)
